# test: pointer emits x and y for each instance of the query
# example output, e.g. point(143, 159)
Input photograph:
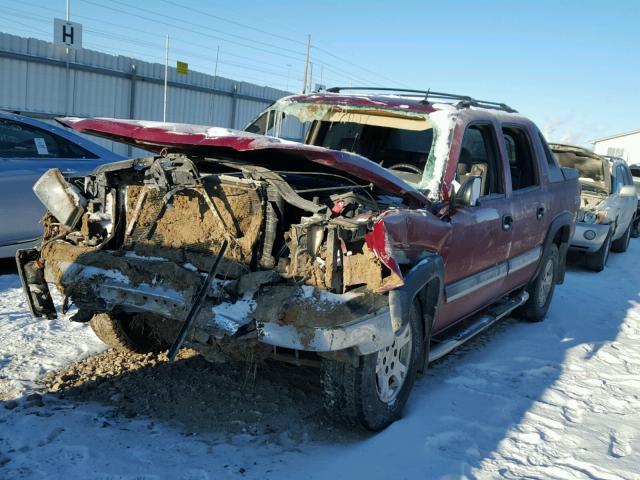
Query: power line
point(234, 22)
point(208, 28)
point(156, 46)
point(192, 31)
point(151, 34)
point(350, 62)
point(338, 72)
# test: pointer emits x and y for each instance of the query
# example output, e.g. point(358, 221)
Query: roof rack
point(464, 101)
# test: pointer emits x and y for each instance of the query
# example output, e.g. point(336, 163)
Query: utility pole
point(310, 77)
point(321, 74)
point(68, 17)
point(215, 70)
point(306, 65)
point(213, 95)
point(166, 80)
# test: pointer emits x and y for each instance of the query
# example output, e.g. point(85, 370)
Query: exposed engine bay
point(138, 236)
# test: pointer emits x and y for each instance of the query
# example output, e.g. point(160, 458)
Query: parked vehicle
point(28, 148)
point(608, 204)
point(635, 172)
point(400, 229)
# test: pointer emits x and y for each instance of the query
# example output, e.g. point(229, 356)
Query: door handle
point(507, 222)
point(540, 213)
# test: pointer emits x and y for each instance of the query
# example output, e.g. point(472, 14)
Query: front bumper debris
point(264, 304)
point(589, 237)
point(366, 335)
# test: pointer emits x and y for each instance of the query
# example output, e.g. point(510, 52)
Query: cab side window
point(521, 159)
point(479, 157)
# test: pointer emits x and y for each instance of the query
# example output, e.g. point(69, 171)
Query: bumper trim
point(367, 335)
point(579, 242)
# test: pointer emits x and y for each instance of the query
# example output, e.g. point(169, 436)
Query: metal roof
point(624, 134)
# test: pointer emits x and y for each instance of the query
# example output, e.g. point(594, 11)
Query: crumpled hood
point(186, 138)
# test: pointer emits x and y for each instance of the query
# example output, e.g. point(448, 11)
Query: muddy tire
point(374, 393)
point(598, 260)
point(635, 227)
point(620, 245)
point(126, 333)
point(541, 289)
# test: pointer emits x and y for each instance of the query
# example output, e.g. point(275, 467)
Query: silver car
point(28, 148)
point(608, 204)
point(635, 171)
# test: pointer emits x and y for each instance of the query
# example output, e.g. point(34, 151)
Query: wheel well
point(562, 235)
point(561, 240)
point(428, 299)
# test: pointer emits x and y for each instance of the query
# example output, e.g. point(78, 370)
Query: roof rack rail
point(464, 101)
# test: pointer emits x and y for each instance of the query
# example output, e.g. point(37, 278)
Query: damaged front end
point(302, 268)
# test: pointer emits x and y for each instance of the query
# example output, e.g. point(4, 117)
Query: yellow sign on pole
point(182, 67)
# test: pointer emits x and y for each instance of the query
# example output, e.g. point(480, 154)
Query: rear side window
point(19, 140)
point(521, 158)
point(479, 157)
point(552, 161)
point(620, 178)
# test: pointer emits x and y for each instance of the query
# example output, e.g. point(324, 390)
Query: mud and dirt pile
point(267, 399)
point(189, 221)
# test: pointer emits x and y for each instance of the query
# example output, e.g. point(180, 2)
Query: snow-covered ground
point(559, 399)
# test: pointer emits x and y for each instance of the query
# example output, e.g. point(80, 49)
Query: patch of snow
point(231, 316)
point(443, 121)
point(86, 271)
point(552, 400)
point(309, 291)
point(190, 266)
point(131, 254)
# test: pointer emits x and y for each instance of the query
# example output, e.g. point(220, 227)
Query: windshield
point(400, 141)
point(590, 168)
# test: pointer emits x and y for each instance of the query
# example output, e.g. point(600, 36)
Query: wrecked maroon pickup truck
point(406, 223)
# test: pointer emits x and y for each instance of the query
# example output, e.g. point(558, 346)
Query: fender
point(564, 219)
point(401, 298)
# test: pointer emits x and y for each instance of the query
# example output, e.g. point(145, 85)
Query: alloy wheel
point(392, 365)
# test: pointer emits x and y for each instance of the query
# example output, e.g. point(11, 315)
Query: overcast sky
point(571, 66)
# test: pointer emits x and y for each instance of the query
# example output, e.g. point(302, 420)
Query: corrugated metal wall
point(37, 77)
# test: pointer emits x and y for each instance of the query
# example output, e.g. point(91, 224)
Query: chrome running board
point(482, 322)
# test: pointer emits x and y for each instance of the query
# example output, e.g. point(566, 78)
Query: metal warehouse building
point(624, 145)
point(40, 79)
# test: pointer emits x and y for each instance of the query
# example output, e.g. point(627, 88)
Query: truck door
point(529, 204)
point(481, 236)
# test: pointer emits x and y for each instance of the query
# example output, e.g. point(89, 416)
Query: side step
point(482, 322)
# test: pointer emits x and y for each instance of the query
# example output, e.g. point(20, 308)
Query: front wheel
point(127, 332)
point(541, 289)
point(635, 226)
point(374, 393)
point(621, 245)
point(597, 261)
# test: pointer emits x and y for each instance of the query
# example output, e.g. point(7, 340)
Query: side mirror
point(628, 191)
point(469, 192)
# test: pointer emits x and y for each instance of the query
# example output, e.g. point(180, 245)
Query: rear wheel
point(541, 289)
point(620, 245)
point(597, 261)
point(374, 393)
point(126, 332)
